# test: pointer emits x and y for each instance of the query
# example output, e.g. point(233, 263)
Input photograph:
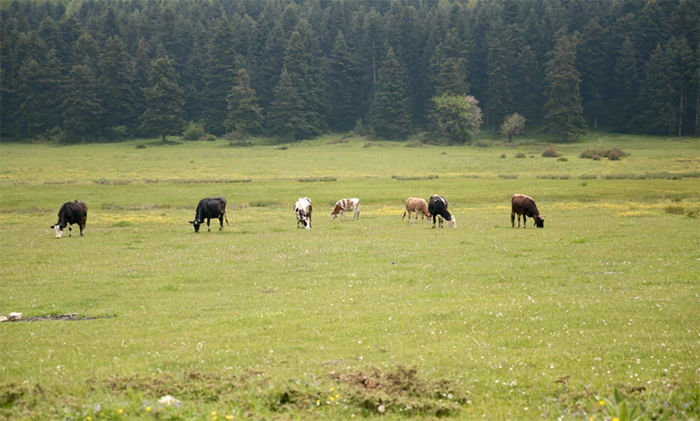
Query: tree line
point(97, 70)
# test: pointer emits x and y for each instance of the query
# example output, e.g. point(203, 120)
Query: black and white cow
point(302, 210)
point(211, 207)
point(524, 205)
point(437, 206)
point(71, 213)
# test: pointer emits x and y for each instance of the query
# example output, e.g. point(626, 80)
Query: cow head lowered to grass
point(344, 205)
point(525, 206)
point(211, 207)
point(437, 207)
point(303, 210)
point(71, 213)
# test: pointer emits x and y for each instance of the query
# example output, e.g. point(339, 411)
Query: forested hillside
point(75, 71)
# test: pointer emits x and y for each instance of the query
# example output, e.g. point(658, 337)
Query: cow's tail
point(226, 219)
point(404, 214)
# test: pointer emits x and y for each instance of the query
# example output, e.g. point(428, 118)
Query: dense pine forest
point(86, 70)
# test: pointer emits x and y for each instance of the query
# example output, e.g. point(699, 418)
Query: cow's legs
point(512, 220)
point(221, 222)
point(82, 227)
point(70, 230)
point(524, 221)
point(208, 224)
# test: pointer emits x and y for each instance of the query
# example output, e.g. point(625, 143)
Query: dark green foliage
point(388, 114)
point(629, 66)
point(244, 114)
point(82, 108)
point(455, 119)
point(286, 117)
point(164, 100)
point(223, 62)
point(116, 84)
point(563, 110)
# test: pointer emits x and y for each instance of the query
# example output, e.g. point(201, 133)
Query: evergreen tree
point(38, 88)
point(563, 110)
point(657, 95)
point(500, 79)
point(306, 68)
point(528, 84)
point(591, 62)
point(81, 108)
point(626, 82)
point(244, 114)
point(116, 81)
point(222, 64)
point(388, 113)
point(286, 117)
point(448, 66)
point(343, 86)
point(164, 100)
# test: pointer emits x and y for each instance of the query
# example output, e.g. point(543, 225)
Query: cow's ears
point(52, 226)
point(191, 222)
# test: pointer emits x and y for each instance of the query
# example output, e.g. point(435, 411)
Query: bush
point(194, 131)
point(520, 155)
point(550, 152)
point(562, 159)
point(613, 154)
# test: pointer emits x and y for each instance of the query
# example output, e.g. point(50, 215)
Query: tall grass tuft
point(413, 178)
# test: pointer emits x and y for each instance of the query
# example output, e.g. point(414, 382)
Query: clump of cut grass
point(551, 152)
point(402, 391)
point(336, 141)
point(316, 179)
point(562, 159)
point(416, 177)
point(503, 155)
point(369, 144)
point(674, 209)
point(209, 181)
point(59, 182)
point(554, 177)
point(587, 176)
point(415, 144)
point(140, 146)
point(105, 181)
point(263, 203)
point(520, 155)
point(281, 148)
point(508, 176)
point(482, 144)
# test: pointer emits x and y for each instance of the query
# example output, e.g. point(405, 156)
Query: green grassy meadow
point(587, 318)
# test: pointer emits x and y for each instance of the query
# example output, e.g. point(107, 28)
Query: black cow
point(525, 206)
point(211, 207)
point(437, 206)
point(71, 213)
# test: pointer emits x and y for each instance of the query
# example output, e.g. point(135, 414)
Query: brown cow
point(417, 205)
point(525, 206)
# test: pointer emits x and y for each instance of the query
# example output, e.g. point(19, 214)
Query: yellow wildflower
point(120, 411)
point(148, 409)
point(601, 402)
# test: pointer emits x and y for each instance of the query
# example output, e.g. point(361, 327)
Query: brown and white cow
point(417, 205)
point(302, 210)
point(438, 209)
point(525, 206)
point(71, 213)
point(343, 205)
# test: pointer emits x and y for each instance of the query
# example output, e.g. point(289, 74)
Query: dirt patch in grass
point(69, 316)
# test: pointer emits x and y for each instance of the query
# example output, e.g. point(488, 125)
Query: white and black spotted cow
point(437, 206)
point(211, 207)
point(71, 213)
point(343, 205)
point(303, 210)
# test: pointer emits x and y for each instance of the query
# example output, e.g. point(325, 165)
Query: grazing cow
point(208, 208)
point(343, 205)
point(303, 210)
point(525, 206)
point(438, 209)
point(71, 213)
point(417, 205)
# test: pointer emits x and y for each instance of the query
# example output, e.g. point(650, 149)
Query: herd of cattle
point(215, 208)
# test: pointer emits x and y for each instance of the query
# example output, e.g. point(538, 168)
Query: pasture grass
point(370, 318)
